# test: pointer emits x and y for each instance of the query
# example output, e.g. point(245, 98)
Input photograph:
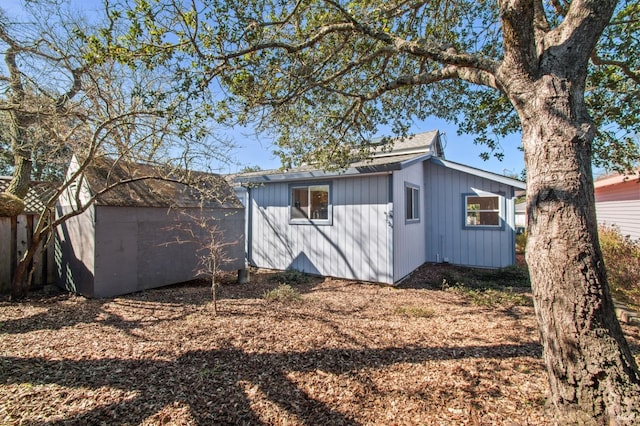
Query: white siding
point(409, 249)
point(625, 215)
point(447, 239)
point(354, 246)
point(75, 250)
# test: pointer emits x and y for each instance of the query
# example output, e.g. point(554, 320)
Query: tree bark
point(593, 376)
point(21, 279)
point(12, 200)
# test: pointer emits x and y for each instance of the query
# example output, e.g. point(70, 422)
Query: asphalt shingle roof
point(157, 186)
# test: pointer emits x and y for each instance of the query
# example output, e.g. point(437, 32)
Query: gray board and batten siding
point(355, 245)
point(447, 238)
point(138, 236)
point(409, 250)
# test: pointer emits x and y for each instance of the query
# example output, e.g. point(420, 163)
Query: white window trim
point(500, 210)
point(415, 198)
point(311, 221)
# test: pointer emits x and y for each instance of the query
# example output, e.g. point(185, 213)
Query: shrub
point(510, 276)
point(521, 242)
point(290, 276)
point(622, 260)
point(282, 293)
point(492, 297)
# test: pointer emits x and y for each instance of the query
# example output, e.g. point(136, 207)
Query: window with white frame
point(310, 203)
point(482, 210)
point(412, 202)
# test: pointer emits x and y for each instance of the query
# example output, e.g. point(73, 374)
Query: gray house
point(382, 218)
point(145, 233)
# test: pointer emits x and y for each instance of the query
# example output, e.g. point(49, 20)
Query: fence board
point(5, 254)
point(15, 237)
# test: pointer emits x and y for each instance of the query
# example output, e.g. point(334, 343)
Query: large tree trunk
point(12, 200)
point(590, 367)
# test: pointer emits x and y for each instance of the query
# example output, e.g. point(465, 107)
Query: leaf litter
point(346, 353)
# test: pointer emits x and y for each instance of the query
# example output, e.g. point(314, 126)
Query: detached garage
point(144, 231)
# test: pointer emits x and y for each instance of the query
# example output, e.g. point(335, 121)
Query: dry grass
point(346, 353)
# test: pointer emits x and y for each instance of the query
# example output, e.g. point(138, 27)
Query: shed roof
point(402, 153)
point(146, 185)
point(37, 197)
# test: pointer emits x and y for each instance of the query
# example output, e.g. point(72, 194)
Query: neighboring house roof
point(617, 178)
point(37, 197)
point(156, 186)
point(401, 153)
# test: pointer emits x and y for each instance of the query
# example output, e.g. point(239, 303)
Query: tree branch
point(575, 38)
point(447, 73)
point(519, 35)
point(622, 66)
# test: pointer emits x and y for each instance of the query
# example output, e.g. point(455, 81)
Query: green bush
point(282, 293)
point(521, 242)
point(290, 276)
point(622, 260)
point(493, 297)
point(510, 276)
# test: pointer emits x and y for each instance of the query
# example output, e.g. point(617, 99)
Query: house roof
point(616, 179)
point(481, 173)
point(421, 147)
point(399, 154)
point(155, 186)
point(37, 197)
point(421, 143)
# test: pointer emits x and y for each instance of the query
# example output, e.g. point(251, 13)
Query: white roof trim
point(481, 173)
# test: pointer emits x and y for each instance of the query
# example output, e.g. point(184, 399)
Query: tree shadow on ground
point(217, 385)
point(54, 312)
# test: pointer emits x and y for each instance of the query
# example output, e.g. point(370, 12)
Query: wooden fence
point(15, 237)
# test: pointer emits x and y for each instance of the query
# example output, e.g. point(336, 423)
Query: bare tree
point(60, 101)
point(206, 234)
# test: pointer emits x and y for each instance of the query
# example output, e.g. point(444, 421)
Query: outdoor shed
point(381, 218)
point(618, 203)
point(145, 231)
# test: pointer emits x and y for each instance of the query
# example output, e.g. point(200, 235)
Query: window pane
point(319, 201)
point(409, 201)
point(300, 203)
point(482, 203)
point(473, 218)
point(489, 219)
point(483, 211)
point(412, 203)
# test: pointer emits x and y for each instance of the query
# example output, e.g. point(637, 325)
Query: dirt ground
point(346, 353)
